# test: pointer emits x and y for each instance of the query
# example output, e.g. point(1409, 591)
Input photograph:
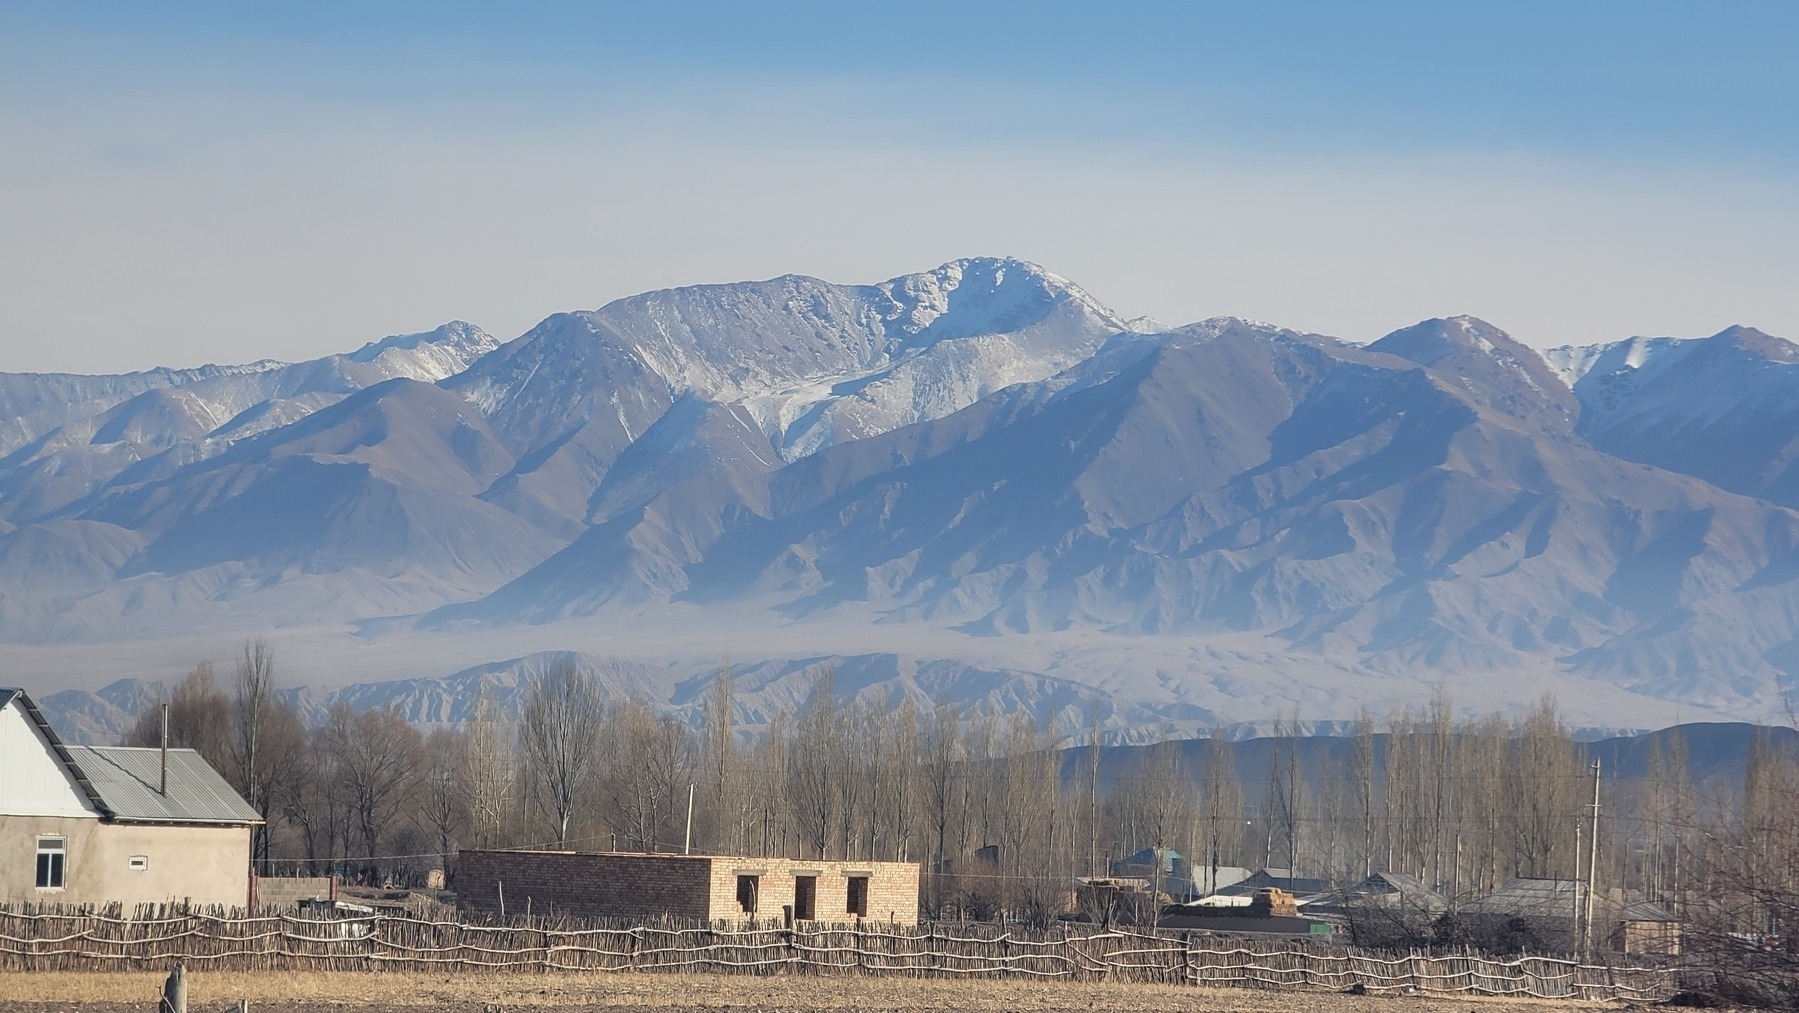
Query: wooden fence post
point(174, 991)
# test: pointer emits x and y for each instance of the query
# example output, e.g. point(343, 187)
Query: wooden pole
point(1592, 863)
point(687, 843)
point(174, 991)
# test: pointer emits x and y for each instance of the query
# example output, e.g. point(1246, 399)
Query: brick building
point(700, 887)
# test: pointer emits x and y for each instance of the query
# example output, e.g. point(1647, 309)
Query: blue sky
point(193, 182)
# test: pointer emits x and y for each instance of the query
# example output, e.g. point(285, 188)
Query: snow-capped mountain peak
point(979, 461)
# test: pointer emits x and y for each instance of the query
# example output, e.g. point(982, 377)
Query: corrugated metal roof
point(1646, 911)
point(126, 779)
point(1401, 883)
point(1543, 898)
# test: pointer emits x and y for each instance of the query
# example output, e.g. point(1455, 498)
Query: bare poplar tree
point(1285, 790)
point(769, 806)
point(901, 762)
point(719, 749)
point(1544, 779)
point(1440, 757)
point(199, 719)
point(1164, 802)
point(310, 800)
point(559, 732)
point(267, 737)
point(255, 691)
point(1362, 791)
point(650, 763)
point(848, 767)
point(487, 772)
point(940, 769)
point(379, 757)
point(1222, 800)
point(445, 795)
point(811, 777)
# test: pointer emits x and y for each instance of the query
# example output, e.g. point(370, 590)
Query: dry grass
point(216, 992)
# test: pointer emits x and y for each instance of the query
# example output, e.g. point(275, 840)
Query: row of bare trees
point(1002, 817)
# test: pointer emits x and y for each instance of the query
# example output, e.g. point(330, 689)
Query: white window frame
point(51, 870)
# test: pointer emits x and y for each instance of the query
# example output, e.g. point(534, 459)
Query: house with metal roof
point(1387, 909)
point(96, 825)
point(1544, 915)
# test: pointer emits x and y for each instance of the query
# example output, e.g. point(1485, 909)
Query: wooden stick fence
point(52, 939)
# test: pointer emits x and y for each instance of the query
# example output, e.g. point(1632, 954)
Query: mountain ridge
point(980, 458)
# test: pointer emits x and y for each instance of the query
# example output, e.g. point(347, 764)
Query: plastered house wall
point(181, 864)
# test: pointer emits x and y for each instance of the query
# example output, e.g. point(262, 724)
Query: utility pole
point(164, 789)
point(1093, 868)
point(1592, 860)
point(687, 842)
point(1579, 839)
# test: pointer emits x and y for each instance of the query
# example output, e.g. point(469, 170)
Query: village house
point(708, 888)
point(1544, 915)
point(1387, 909)
point(97, 825)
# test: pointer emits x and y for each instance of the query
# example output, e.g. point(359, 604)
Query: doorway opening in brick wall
point(805, 898)
point(858, 896)
point(748, 887)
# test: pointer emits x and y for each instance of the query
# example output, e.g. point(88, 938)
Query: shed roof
point(1397, 882)
point(1646, 911)
point(127, 778)
point(1538, 898)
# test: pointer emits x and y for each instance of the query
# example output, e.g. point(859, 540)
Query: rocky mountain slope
point(996, 489)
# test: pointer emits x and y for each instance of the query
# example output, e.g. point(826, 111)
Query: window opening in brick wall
point(138, 863)
point(858, 896)
point(805, 898)
point(52, 853)
point(747, 889)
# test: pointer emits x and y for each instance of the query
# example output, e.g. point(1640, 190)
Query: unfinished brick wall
point(892, 888)
point(584, 885)
point(697, 887)
point(289, 891)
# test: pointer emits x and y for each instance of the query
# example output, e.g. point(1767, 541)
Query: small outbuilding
point(710, 888)
point(1646, 927)
point(97, 825)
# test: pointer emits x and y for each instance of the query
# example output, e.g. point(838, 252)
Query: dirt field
point(299, 993)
